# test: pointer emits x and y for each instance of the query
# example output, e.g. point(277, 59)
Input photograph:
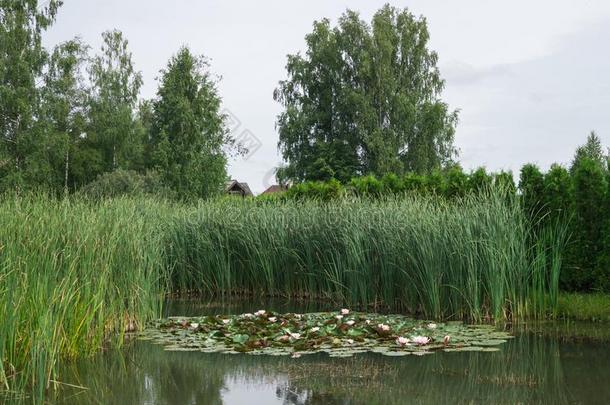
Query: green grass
point(584, 307)
point(74, 274)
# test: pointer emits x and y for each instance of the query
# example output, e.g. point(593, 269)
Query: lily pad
point(338, 334)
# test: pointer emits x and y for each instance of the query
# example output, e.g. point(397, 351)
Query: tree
point(589, 195)
point(593, 150)
point(365, 99)
point(115, 87)
point(188, 132)
point(22, 59)
point(558, 197)
point(531, 184)
point(64, 112)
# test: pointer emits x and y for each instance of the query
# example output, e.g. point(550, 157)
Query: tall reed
point(469, 258)
point(72, 276)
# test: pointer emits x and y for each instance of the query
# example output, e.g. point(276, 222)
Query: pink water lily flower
point(402, 341)
point(272, 319)
point(345, 311)
point(383, 327)
point(421, 340)
point(226, 321)
point(446, 340)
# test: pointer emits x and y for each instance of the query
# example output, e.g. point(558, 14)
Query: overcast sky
point(531, 79)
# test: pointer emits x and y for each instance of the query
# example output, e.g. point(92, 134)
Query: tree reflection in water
point(528, 369)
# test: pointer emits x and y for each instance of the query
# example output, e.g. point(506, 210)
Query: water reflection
point(529, 369)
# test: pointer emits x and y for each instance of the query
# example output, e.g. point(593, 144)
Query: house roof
point(242, 186)
point(276, 188)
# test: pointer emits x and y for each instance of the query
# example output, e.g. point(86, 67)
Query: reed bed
point(474, 258)
point(73, 277)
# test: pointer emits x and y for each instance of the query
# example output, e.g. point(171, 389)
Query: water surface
point(551, 364)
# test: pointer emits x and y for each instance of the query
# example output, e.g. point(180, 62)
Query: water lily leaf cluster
point(340, 334)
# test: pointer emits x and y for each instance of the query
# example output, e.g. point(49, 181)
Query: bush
point(125, 183)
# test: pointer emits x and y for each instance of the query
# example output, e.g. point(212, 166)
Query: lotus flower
point(339, 317)
point(345, 311)
point(446, 340)
point(350, 322)
point(314, 329)
point(295, 335)
point(432, 326)
point(194, 325)
point(260, 312)
point(272, 319)
point(383, 327)
point(421, 340)
point(402, 341)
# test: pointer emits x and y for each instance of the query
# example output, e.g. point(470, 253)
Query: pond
point(554, 363)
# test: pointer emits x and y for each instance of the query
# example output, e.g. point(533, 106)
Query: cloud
point(464, 74)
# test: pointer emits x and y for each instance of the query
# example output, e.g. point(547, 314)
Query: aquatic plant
point(299, 334)
point(475, 257)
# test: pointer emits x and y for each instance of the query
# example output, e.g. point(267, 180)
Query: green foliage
point(126, 183)
point(451, 184)
point(589, 192)
point(114, 94)
point(22, 60)
point(531, 185)
point(188, 132)
point(364, 99)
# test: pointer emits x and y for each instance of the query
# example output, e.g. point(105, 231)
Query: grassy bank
point(75, 275)
point(584, 307)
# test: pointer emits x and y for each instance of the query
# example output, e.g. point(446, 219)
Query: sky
point(531, 79)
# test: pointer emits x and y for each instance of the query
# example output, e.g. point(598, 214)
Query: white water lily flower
point(350, 323)
point(383, 327)
point(298, 316)
point(446, 340)
point(345, 311)
point(368, 321)
point(272, 319)
point(432, 326)
point(402, 341)
point(314, 329)
point(248, 315)
point(350, 341)
point(295, 335)
point(260, 312)
point(421, 340)
point(226, 321)
point(339, 317)
point(296, 355)
point(194, 325)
